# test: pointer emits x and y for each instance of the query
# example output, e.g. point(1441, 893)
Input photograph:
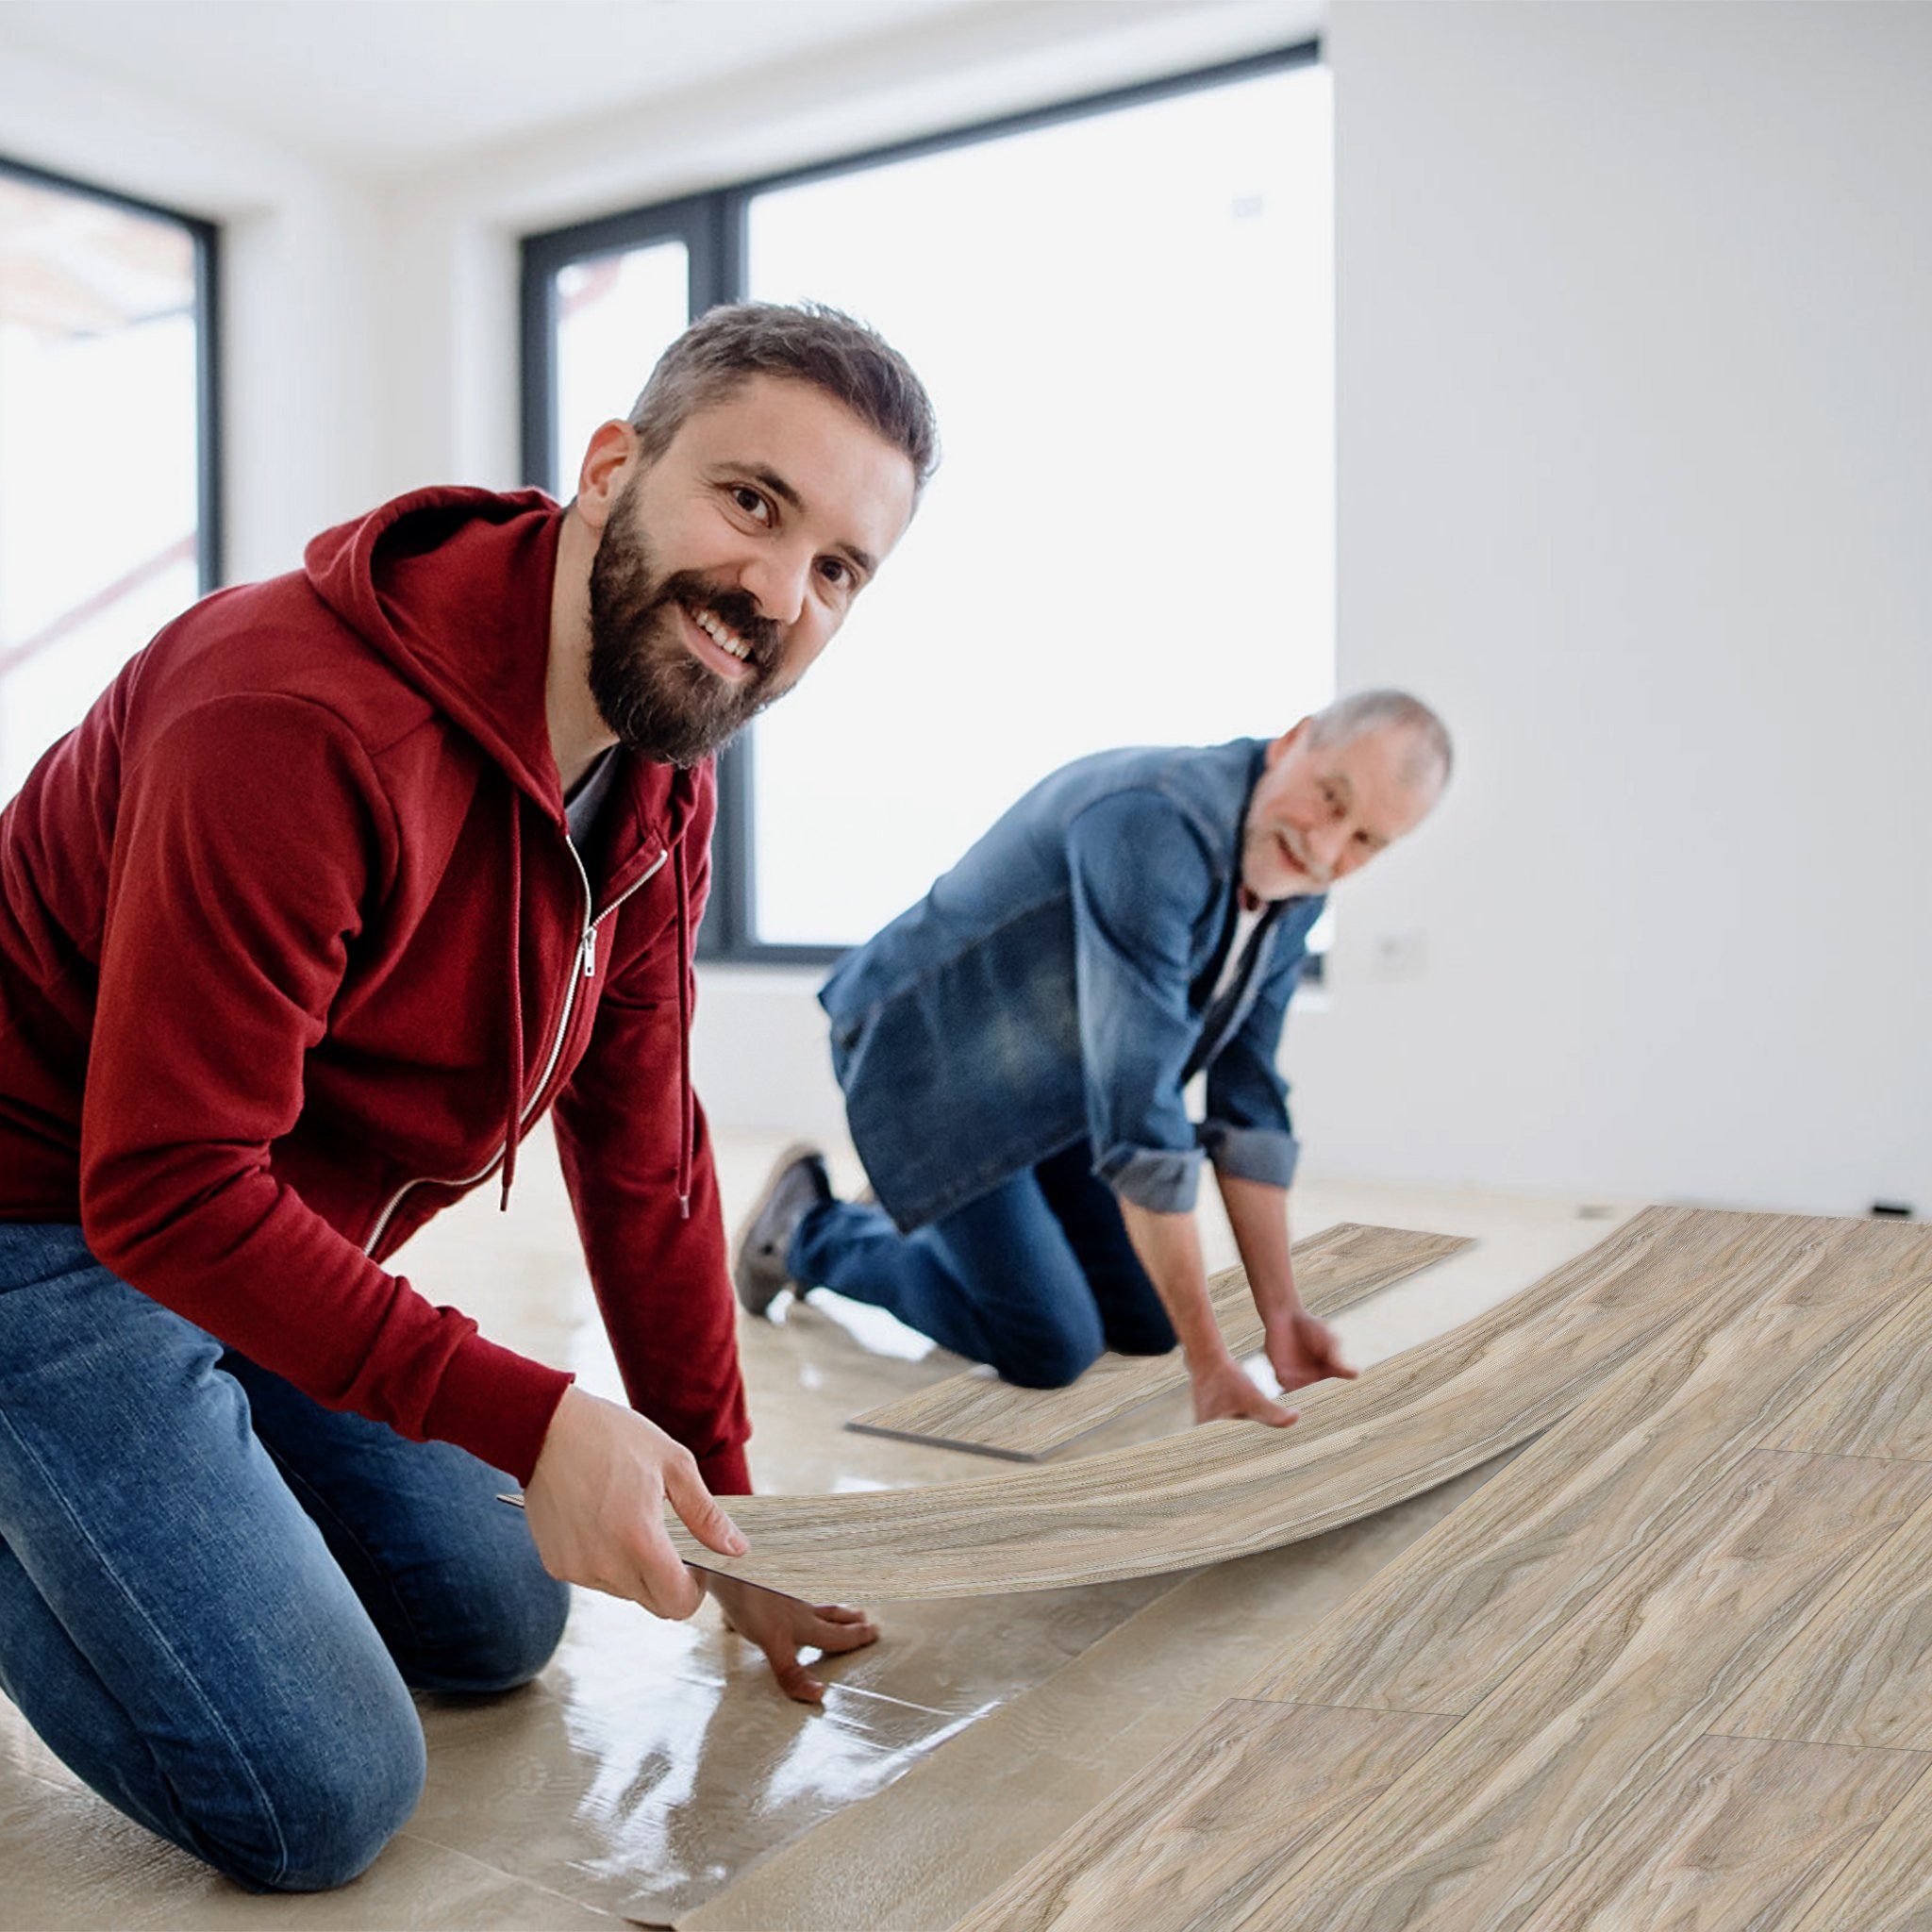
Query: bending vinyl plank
point(1180, 1847)
point(1334, 1270)
point(1880, 1402)
point(1887, 1885)
point(1227, 1489)
point(1740, 1835)
point(1860, 1670)
point(1488, 1584)
point(1483, 1828)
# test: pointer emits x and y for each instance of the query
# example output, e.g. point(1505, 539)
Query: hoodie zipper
point(586, 969)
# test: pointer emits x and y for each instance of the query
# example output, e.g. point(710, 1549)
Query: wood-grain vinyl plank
point(1486, 1585)
point(1880, 1402)
point(1176, 1846)
point(1860, 1670)
point(1229, 1489)
point(1482, 1830)
point(1738, 1835)
point(1334, 1269)
point(1887, 1885)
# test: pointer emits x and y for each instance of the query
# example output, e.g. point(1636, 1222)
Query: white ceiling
point(379, 85)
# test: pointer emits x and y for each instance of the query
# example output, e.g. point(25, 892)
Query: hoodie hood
point(453, 587)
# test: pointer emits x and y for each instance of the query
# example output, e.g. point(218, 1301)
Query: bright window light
point(99, 346)
point(616, 314)
point(1125, 323)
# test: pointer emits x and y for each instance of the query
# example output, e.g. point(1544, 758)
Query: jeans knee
point(332, 1811)
point(1051, 1362)
point(503, 1628)
point(1152, 1335)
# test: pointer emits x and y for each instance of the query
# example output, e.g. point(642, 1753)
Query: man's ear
point(607, 463)
point(1281, 746)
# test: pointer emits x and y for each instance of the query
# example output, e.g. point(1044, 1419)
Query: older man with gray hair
point(1013, 1051)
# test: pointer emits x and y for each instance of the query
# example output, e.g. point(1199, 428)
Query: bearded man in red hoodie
point(344, 880)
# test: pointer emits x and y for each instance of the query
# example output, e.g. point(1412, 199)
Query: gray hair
point(1382, 710)
point(851, 362)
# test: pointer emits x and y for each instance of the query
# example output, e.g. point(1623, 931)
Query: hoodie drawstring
point(687, 1108)
point(686, 1101)
point(512, 1105)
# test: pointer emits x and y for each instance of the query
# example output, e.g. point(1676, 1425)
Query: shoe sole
point(799, 1150)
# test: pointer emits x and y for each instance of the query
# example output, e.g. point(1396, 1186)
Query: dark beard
point(649, 690)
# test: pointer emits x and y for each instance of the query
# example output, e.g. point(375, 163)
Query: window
point(109, 524)
point(1124, 312)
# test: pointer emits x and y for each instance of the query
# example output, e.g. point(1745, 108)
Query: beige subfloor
point(653, 1771)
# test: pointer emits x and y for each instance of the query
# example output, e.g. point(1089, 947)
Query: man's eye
point(836, 573)
point(751, 501)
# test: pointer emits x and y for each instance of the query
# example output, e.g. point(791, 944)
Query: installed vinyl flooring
point(652, 1768)
point(1334, 1270)
point(1667, 1670)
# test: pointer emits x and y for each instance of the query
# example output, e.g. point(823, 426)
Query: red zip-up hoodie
point(294, 946)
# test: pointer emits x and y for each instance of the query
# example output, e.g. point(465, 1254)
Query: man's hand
point(781, 1626)
point(595, 1503)
point(1223, 1387)
point(1302, 1350)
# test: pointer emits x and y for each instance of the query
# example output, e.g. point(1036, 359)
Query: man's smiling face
point(728, 562)
point(1321, 811)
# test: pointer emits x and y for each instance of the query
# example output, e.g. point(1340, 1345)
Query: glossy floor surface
point(654, 1773)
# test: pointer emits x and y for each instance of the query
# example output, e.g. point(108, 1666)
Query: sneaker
point(798, 1182)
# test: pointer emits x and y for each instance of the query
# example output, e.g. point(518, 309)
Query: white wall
point(1635, 413)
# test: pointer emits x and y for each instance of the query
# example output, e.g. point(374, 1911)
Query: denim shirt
point(1057, 982)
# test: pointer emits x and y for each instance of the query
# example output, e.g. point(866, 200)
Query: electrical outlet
point(1399, 955)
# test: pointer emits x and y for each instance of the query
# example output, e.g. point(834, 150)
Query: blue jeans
point(215, 1595)
point(1036, 1278)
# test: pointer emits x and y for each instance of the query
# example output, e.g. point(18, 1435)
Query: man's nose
point(775, 581)
point(1326, 844)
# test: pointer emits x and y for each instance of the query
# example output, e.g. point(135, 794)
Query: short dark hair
point(850, 362)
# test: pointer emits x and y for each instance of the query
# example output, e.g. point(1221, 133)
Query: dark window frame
point(206, 238)
point(714, 227)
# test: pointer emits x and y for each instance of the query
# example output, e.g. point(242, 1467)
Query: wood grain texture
point(1482, 1830)
point(1858, 1671)
point(1178, 1846)
point(1229, 1489)
point(935, 1842)
point(1887, 1885)
point(1738, 1835)
point(1880, 1402)
point(1486, 1585)
point(1334, 1269)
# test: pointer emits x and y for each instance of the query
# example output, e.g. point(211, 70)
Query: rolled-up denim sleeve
point(1247, 1132)
point(1141, 876)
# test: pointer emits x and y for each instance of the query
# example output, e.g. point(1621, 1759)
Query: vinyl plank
point(1334, 1269)
point(1738, 1835)
point(1483, 1828)
point(962, 1821)
point(1879, 1403)
point(1858, 1671)
point(1178, 1846)
point(1227, 1489)
point(1887, 1885)
point(1490, 1583)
